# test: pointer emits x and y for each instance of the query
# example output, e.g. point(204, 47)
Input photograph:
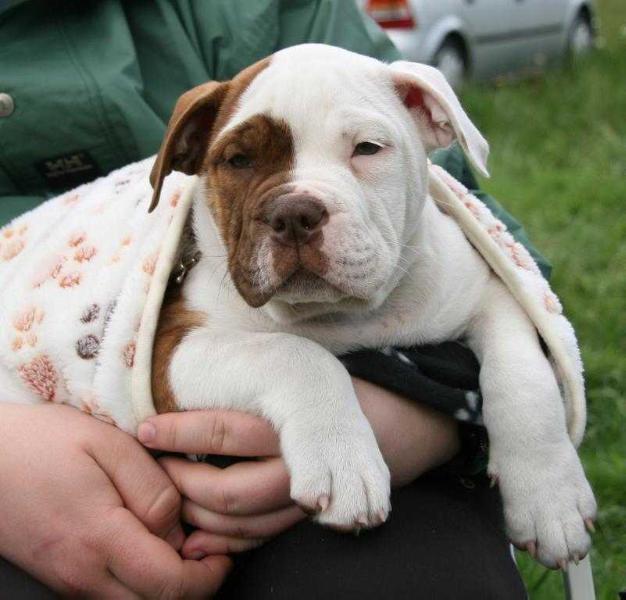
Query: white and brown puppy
point(317, 236)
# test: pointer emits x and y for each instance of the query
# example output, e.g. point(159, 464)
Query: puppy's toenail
point(362, 520)
point(323, 502)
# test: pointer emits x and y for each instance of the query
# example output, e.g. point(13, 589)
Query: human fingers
point(245, 488)
point(150, 567)
point(203, 543)
point(224, 432)
point(250, 526)
point(144, 486)
point(107, 588)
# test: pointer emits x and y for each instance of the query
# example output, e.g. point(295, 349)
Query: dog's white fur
point(402, 273)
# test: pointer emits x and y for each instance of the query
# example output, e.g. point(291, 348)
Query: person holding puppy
point(90, 511)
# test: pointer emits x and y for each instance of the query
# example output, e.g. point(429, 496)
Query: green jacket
point(92, 84)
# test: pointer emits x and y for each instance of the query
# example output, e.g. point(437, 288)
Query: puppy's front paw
point(341, 476)
point(548, 504)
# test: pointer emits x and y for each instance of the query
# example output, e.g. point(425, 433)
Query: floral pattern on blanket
point(498, 231)
point(75, 273)
point(522, 276)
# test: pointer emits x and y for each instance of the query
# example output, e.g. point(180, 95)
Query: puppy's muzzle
point(295, 219)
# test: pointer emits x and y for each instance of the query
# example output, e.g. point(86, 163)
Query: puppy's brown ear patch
point(198, 115)
point(188, 133)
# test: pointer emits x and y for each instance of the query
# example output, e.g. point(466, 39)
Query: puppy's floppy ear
point(187, 135)
point(438, 112)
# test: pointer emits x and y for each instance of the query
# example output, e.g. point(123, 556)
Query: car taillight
point(391, 14)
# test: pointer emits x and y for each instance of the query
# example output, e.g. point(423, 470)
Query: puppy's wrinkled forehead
point(304, 86)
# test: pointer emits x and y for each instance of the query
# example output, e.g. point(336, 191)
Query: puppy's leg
point(546, 496)
point(336, 467)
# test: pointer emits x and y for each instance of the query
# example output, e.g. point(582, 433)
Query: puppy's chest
point(406, 322)
point(409, 325)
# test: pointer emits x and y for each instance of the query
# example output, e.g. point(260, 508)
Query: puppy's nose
point(295, 219)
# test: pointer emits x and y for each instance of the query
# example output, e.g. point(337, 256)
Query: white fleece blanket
point(82, 278)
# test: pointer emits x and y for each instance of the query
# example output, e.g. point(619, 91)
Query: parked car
point(483, 39)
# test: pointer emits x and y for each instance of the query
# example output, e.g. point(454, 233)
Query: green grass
point(558, 163)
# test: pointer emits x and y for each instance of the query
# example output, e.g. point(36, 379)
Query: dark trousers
point(444, 540)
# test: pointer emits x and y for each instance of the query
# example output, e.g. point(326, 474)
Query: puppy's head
point(314, 162)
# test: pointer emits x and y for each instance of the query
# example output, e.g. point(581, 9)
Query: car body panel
point(500, 36)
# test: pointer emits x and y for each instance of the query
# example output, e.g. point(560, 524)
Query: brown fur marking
point(238, 197)
point(175, 321)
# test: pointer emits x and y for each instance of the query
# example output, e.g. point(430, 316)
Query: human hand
point(86, 510)
point(236, 508)
point(239, 507)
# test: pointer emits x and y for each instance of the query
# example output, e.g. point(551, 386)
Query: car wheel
point(580, 38)
point(450, 60)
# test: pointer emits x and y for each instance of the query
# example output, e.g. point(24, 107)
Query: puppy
point(312, 233)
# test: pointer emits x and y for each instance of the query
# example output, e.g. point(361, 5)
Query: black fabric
point(443, 376)
point(444, 540)
point(15, 584)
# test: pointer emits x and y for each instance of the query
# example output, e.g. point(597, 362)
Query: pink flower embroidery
point(496, 229)
point(472, 207)
point(17, 344)
point(41, 377)
point(552, 303)
point(522, 258)
point(25, 320)
point(457, 187)
point(149, 264)
point(70, 280)
point(77, 238)
point(85, 253)
point(128, 354)
point(56, 268)
point(12, 249)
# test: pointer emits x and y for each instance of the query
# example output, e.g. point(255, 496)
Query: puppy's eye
point(239, 161)
point(366, 149)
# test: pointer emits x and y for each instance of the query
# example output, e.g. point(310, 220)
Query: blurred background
point(554, 112)
point(486, 39)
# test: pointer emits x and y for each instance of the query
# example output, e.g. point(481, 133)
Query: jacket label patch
point(68, 170)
